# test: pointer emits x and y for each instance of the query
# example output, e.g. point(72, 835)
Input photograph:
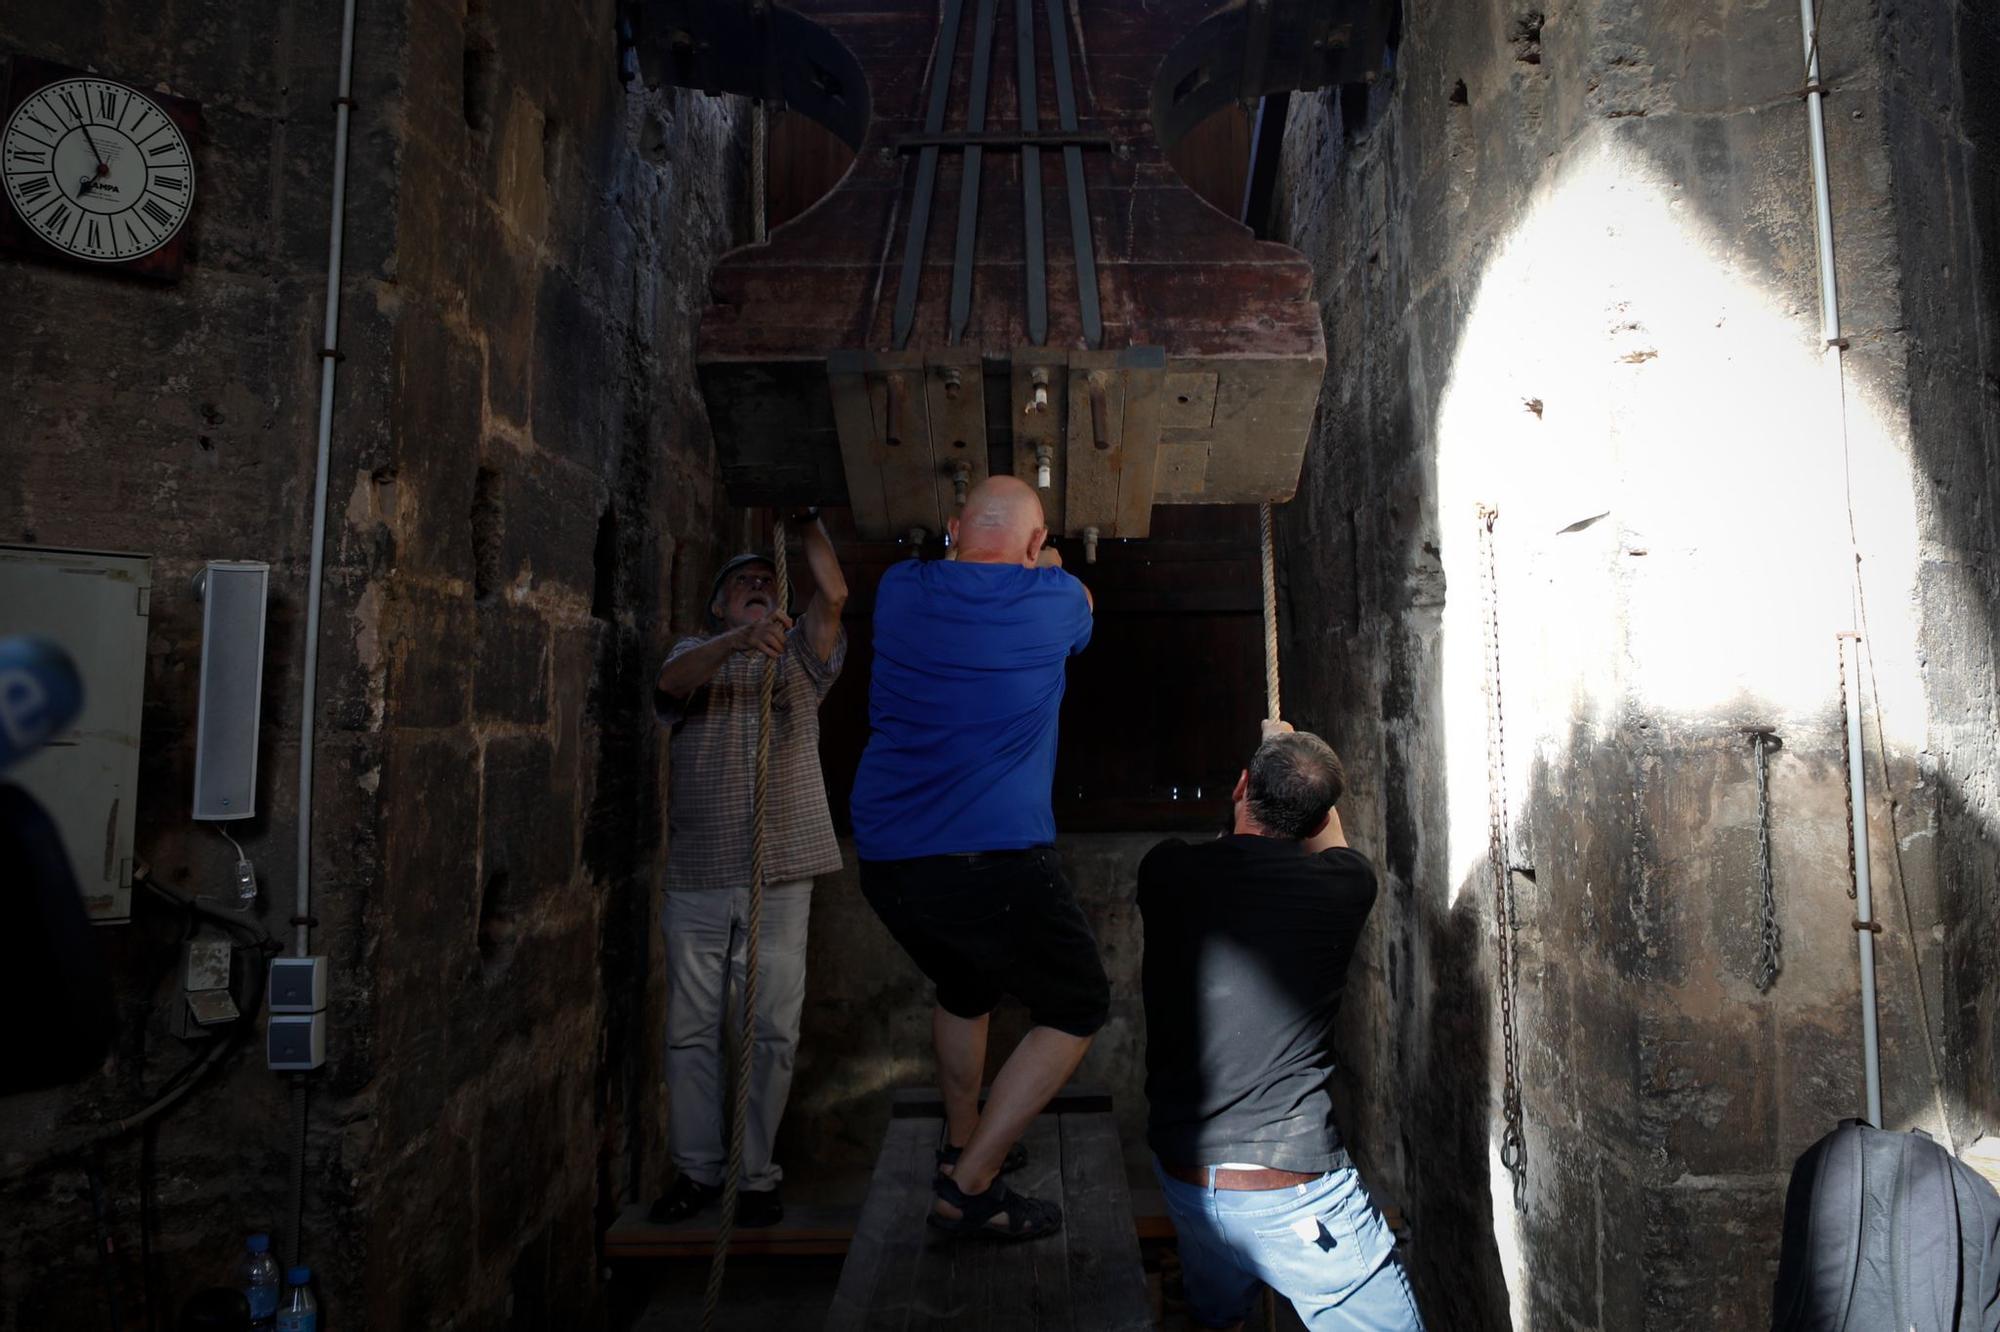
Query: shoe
point(1025, 1218)
point(683, 1198)
point(759, 1207)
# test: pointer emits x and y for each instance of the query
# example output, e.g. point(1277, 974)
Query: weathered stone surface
point(528, 823)
point(455, 623)
point(1483, 349)
point(510, 677)
point(180, 421)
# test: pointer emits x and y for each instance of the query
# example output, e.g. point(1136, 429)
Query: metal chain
point(1270, 572)
point(1513, 1145)
point(1769, 963)
point(746, 1035)
point(1846, 766)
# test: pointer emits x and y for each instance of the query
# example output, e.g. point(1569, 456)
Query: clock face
point(97, 170)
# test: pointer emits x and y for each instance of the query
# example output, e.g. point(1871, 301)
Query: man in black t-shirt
point(1248, 941)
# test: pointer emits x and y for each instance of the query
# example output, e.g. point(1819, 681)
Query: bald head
point(1001, 523)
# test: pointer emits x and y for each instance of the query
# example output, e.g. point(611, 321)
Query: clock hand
point(102, 166)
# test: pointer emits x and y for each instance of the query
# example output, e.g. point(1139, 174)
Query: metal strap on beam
point(1079, 203)
point(1035, 269)
point(920, 208)
point(968, 192)
point(1256, 42)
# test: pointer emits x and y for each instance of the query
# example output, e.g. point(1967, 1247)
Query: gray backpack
point(1887, 1232)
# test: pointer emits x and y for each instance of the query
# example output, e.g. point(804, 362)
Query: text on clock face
point(97, 169)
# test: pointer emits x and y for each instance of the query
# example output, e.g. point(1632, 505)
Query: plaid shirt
point(713, 783)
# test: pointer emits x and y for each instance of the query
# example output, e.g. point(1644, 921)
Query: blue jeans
point(1322, 1245)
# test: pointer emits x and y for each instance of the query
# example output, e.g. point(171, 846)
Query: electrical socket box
point(210, 1008)
point(295, 1042)
point(297, 985)
point(205, 976)
point(207, 964)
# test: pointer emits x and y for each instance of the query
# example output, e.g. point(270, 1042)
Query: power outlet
point(295, 1042)
point(297, 985)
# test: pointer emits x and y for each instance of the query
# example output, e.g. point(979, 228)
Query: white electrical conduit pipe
point(1850, 655)
point(328, 355)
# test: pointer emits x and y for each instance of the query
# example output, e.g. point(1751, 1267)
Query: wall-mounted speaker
point(233, 595)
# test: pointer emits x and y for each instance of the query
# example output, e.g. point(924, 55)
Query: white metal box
point(233, 596)
point(93, 604)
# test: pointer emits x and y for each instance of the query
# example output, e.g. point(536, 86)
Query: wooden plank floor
point(806, 1231)
point(901, 1275)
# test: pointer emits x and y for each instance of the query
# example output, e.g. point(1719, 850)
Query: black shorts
point(1000, 922)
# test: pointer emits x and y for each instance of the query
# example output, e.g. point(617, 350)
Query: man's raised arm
point(688, 671)
point(822, 616)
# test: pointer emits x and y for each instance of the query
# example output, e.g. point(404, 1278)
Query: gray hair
point(1295, 778)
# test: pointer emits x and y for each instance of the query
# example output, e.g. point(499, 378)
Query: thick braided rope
point(1270, 570)
point(747, 1030)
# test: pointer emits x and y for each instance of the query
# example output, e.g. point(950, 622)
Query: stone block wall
point(179, 421)
point(522, 509)
point(1567, 269)
point(549, 497)
point(1942, 118)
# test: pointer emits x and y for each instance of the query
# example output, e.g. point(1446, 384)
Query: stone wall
point(549, 498)
point(1942, 119)
point(1568, 272)
point(179, 421)
point(522, 509)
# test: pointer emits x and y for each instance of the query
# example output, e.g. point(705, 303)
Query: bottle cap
point(298, 1276)
point(259, 1243)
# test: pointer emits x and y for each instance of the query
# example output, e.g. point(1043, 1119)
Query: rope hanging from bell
point(746, 1035)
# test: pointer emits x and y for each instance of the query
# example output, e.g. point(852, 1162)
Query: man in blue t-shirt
point(955, 833)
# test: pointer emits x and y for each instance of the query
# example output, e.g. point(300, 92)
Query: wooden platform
point(807, 1231)
point(901, 1274)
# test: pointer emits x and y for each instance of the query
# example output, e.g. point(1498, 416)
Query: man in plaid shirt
point(708, 692)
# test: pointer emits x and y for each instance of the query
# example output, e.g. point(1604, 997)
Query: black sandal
point(1017, 1157)
point(1027, 1218)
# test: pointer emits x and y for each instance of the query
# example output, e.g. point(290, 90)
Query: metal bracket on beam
point(955, 390)
point(881, 410)
point(1113, 441)
point(1040, 379)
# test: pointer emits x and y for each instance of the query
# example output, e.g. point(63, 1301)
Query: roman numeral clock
point(96, 172)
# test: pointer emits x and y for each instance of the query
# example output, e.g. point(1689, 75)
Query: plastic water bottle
point(260, 1282)
point(300, 1312)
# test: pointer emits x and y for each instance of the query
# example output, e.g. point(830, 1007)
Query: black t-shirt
point(1248, 941)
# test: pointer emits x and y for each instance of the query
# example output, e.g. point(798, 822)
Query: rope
point(747, 1031)
point(1270, 571)
point(760, 151)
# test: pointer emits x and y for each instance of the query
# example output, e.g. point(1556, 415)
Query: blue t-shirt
point(962, 704)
